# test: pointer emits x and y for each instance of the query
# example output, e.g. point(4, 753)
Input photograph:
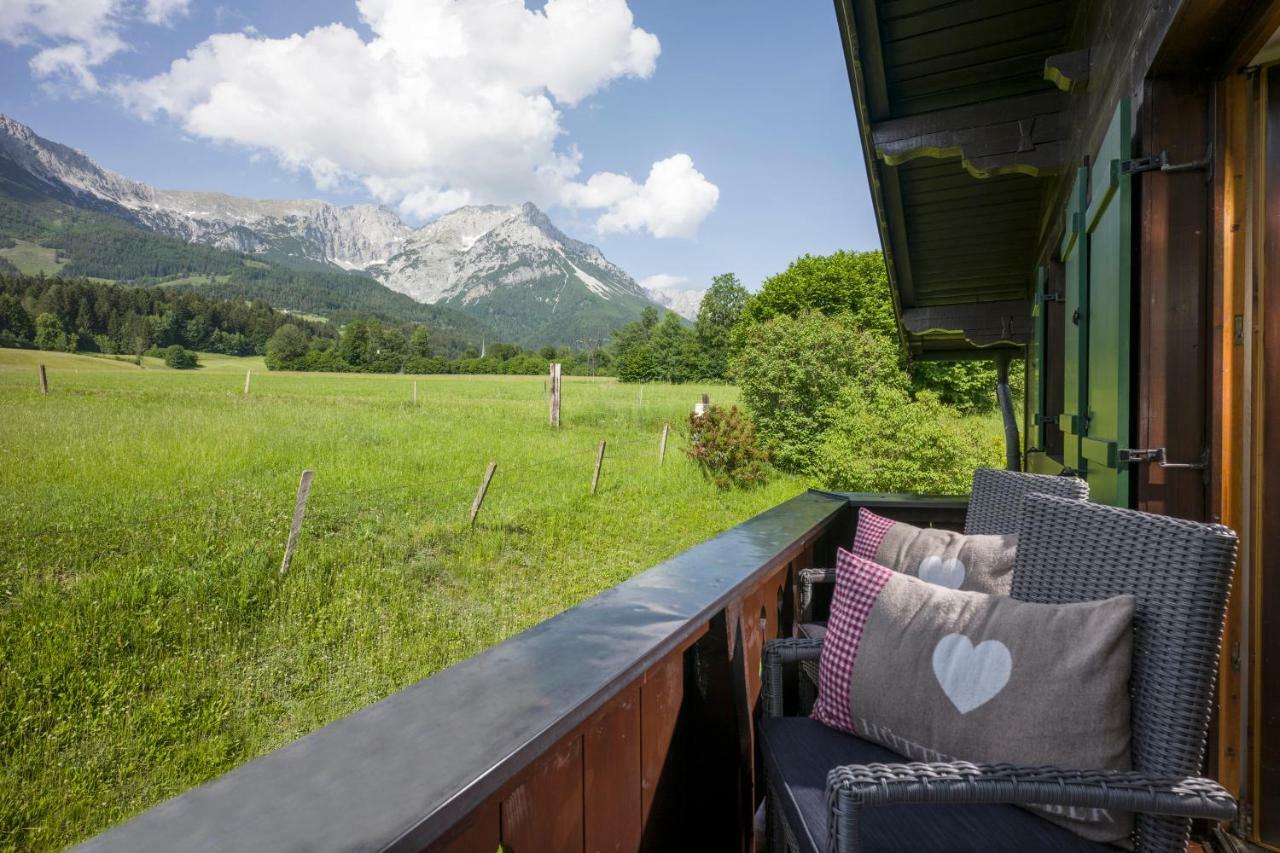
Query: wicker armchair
point(995, 506)
point(1179, 573)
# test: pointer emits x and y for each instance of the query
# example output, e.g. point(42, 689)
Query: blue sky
point(754, 95)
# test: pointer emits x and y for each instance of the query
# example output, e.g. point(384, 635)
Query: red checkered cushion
point(858, 584)
point(871, 532)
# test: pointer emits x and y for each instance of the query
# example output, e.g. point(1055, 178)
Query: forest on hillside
point(80, 315)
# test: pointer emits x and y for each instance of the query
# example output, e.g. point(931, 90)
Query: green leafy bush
point(287, 349)
point(857, 283)
point(793, 369)
point(852, 282)
point(879, 439)
point(49, 333)
point(724, 444)
point(180, 359)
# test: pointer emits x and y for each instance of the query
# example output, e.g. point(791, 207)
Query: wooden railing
point(621, 724)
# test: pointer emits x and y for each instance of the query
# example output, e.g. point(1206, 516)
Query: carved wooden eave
point(982, 324)
point(1022, 135)
point(1068, 71)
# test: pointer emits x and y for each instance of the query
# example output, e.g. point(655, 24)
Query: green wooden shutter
point(1038, 381)
point(1108, 220)
point(1035, 363)
point(1075, 367)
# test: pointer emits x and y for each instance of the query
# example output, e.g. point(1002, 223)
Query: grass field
point(32, 259)
point(147, 642)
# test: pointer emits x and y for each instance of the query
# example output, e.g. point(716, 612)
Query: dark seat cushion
point(813, 630)
point(798, 754)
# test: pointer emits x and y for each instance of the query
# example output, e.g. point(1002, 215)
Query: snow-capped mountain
point(349, 237)
point(684, 302)
point(509, 266)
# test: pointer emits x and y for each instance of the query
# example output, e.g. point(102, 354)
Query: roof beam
point(982, 324)
point(1068, 71)
point(1022, 135)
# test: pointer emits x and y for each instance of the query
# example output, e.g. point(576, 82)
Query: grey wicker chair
point(829, 790)
point(995, 506)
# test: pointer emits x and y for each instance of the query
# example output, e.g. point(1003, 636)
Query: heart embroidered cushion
point(974, 562)
point(938, 674)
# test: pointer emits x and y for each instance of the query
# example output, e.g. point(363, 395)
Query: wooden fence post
point(295, 529)
point(555, 395)
point(44, 381)
point(247, 374)
point(484, 487)
point(595, 478)
point(662, 449)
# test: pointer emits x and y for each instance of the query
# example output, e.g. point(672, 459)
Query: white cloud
point(663, 281)
point(450, 102)
point(672, 202)
point(76, 36)
point(165, 11)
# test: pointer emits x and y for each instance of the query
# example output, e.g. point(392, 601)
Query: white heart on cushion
point(970, 675)
point(949, 573)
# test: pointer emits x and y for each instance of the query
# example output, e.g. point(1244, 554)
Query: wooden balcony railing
point(624, 723)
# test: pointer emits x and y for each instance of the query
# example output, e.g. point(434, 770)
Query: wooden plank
point(948, 16)
point(971, 36)
point(613, 777)
point(545, 810)
point(1017, 132)
point(479, 833)
point(661, 696)
point(1266, 581)
point(1068, 71)
point(1227, 414)
point(1172, 396)
point(1023, 63)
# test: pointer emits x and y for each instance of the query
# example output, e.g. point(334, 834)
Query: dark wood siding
point(1172, 396)
point(1266, 725)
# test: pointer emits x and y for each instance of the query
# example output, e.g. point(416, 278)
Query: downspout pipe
point(1012, 443)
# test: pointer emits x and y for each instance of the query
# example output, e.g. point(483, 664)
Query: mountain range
point(508, 269)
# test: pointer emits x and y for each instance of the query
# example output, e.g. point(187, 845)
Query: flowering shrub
point(723, 441)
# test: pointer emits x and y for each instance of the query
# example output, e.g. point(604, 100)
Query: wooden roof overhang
point(962, 116)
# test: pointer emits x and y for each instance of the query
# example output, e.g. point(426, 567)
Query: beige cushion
point(977, 563)
point(938, 674)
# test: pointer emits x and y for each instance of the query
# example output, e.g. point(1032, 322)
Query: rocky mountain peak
point(506, 262)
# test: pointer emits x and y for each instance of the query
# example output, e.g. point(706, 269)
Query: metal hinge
point(1046, 419)
point(1243, 824)
point(1158, 455)
point(1160, 163)
point(1052, 297)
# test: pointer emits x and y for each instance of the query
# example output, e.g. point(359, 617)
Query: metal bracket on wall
point(1046, 419)
point(1158, 455)
point(1052, 297)
point(1160, 163)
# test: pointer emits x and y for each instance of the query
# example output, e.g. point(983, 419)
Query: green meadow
point(147, 640)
